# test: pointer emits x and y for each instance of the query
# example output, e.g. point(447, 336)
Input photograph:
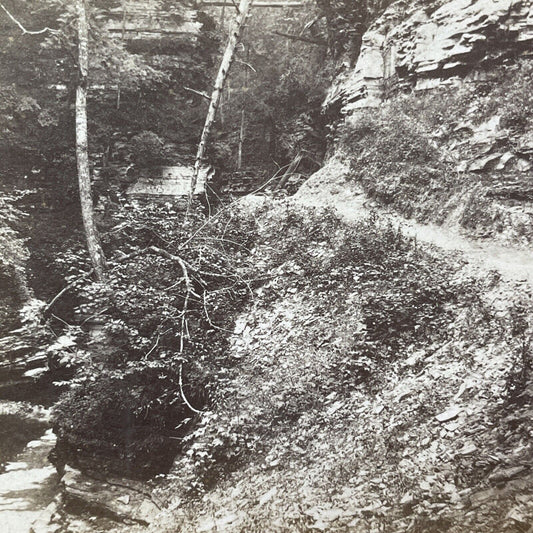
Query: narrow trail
point(513, 264)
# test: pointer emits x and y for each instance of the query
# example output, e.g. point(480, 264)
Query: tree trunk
point(82, 154)
point(241, 139)
point(242, 129)
point(225, 64)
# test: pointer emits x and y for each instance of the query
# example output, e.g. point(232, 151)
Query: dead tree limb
point(22, 28)
point(183, 397)
point(290, 170)
point(63, 291)
point(199, 93)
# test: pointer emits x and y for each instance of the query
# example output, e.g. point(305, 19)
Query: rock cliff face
point(428, 43)
point(445, 85)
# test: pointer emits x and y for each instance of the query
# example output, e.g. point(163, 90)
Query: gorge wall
point(427, 43)
point(437, 115)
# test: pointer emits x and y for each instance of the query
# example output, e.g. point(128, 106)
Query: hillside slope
point(377, 385)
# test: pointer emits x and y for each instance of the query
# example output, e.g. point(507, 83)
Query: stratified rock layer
point(425, 44)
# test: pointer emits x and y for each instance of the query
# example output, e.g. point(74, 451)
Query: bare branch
point(200, 93)
point(184, 398)
point(246, 64)
point(63, 291)
point(23, 29)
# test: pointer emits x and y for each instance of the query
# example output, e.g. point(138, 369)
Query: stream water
point(28, 482)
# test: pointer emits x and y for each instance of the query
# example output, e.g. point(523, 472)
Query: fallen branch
point(190, 290)
point(183, 397)
point(246, 65)
point(200, 93)
point(153, 347)
point(24, 30)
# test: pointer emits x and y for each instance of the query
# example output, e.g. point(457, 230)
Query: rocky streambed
point(34, 498)
point(28, 482)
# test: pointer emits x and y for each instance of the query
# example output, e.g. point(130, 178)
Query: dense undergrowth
point(148, 342)
point(351, 320)
point(301, 386)
point(13, 253)
point(154, 323)
point(428, 156)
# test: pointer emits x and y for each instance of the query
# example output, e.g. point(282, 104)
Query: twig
point(227, 207)
point(24, 30)
point(200, 93)
point(48, 308)
point(246, 64)
point(184, 398)
point(188, 285)
point(153, 347)
point(61, 320)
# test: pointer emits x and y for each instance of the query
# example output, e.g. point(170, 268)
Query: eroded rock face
point(429, 43)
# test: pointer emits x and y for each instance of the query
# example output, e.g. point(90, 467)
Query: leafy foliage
point(13, 254)
point(279, 84)
point(158, 336)
point(342, 305)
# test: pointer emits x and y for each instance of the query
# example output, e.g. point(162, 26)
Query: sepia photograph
point(266, 266)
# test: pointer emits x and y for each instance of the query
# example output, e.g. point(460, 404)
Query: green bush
point(123, 422)
point(393, 158)
point(126, 400)
point(375, 297)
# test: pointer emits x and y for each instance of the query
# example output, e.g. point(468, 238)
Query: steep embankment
point(439, 113)
point(377, 385)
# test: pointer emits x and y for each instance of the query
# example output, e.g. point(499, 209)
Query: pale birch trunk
point(225, 64)
point(82, 153)
point(241, 139)
point(243, 110)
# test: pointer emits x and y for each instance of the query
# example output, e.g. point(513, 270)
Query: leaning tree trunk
point(225, 64)
point(82, 153)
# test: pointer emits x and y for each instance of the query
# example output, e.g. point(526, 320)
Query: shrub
point(375, 297)
point(147, 149)
point(394, 159)
point(124, 422)
point(126, 399)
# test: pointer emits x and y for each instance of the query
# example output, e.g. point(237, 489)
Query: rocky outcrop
point(428, 43)
point(123, 500)
point(169, 182)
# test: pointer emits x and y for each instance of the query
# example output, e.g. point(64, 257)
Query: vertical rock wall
point(428, 43)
